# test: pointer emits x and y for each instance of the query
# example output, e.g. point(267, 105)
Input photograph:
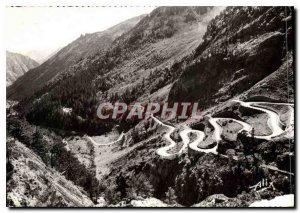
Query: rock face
point(31, 183)
point(17, 65)
point(83, 47)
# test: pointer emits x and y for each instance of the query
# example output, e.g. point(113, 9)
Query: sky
point(37, 32)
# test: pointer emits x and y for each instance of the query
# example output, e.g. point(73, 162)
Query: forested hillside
point(241, 46)
point(137, 63)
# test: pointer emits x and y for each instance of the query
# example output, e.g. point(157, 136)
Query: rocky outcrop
point(219, 200)
point(148, 202)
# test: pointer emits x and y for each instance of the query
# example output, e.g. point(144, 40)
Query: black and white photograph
point(150, 106)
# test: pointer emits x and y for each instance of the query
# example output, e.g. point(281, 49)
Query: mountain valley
point(237, 63)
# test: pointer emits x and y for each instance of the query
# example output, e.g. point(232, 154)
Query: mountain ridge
point(82, 47)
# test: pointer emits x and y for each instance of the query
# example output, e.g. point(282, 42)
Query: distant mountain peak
point(17, 65)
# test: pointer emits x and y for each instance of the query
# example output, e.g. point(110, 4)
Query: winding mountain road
point(106, 144)
point(273, 122)
point(163, 151)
